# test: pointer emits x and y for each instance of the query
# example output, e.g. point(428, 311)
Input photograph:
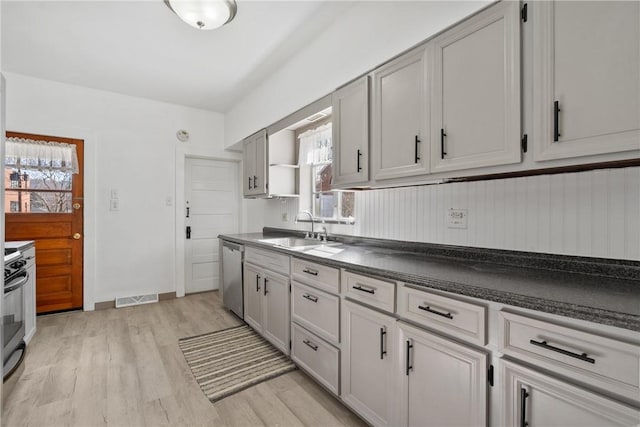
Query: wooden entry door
point(58, 232)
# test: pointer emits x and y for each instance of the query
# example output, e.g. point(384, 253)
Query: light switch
point(114, 205)
point(114, 193)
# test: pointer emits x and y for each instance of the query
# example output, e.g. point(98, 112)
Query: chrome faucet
point(324, 234)
point(310, 217)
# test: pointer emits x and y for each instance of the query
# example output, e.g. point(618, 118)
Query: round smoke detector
point(182, 135)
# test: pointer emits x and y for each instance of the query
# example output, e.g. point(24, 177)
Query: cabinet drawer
point(268, 259)
point(319, 359)
point(318, 311)
point(374, 292)
point(320, 276)
point(606, 363)
point(451, 316)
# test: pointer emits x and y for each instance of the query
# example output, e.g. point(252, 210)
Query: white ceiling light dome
point(204, 14)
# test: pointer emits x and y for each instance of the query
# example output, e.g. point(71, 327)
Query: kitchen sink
point(297, 243)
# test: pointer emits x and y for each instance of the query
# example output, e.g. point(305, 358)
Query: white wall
point(366, 35)
point(592, 214)
point(130, 145)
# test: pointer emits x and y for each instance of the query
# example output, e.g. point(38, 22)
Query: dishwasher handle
point(233, 246)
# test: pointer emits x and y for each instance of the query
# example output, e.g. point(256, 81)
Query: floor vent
point(136, 300)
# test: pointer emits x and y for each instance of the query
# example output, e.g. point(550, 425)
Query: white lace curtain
point(315, 145)
point(43, 155)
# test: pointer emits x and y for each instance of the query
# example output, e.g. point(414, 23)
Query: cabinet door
point(443, 383)
point(367, 362)
point(260, 176)
point(351, 133)
point(248, 166)
point(400, 139)
point(30, 296)
point(476, 92)
point(253, 296)
point(586, 65)
point(533, 399)
point(276, 319)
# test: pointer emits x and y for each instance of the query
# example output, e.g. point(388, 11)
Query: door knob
point(76, 206)
point(77, 236)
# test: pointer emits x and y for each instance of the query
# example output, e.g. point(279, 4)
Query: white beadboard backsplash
point(593, 214)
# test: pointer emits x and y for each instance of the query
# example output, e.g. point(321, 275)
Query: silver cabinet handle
point(310, 297)
point(579, 356)
point(439, 313)
point(310, 271)
point(310, 345)
point(363, 288)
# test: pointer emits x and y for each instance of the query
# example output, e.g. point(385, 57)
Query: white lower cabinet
point(253, 296)
point(442, 383)
point(533, 399)
point(30, 295)
point(368, 357)
point(266, 302)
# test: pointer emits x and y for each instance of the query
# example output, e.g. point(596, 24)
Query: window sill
point(344, 221)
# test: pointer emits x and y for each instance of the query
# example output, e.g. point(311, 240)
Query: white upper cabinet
point(351, 133)
point(586, 78)
point(399, 135)
point(255, 164)
point(475, 91)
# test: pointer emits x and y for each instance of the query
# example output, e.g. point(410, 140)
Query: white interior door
point(212, 199)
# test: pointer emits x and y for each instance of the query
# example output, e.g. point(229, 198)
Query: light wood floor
point(123, 367)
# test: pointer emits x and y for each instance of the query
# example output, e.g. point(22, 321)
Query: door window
point(37, 191)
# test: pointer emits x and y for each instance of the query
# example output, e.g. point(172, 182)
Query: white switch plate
point(114, 205)
point(457, 218)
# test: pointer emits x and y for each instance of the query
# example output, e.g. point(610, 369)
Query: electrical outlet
point(169, 201)
point(457, 218)
point(285, 217)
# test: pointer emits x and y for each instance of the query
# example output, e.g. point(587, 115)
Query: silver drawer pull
point(310, 271)
point(310, 297)
point(310, 345)
point(578, 356)
point(439, 313)
point(361, 287)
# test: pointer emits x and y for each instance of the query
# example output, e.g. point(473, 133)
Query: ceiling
point(141, 48)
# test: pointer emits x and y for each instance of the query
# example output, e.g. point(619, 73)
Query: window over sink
point(315, 154)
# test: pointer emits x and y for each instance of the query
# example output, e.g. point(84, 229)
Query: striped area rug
point(228, 361)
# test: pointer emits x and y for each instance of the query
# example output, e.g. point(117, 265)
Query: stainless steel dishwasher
point(232, 258)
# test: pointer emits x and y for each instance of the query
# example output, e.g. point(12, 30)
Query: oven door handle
point(12, 286)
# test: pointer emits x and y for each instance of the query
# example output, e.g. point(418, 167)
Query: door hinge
point(490, 375)
point(289, 288)
point(188, 232)
point(523, 13)
point(289, 344)
point(524, 143)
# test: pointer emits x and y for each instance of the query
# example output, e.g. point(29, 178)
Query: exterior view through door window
point(36, 191)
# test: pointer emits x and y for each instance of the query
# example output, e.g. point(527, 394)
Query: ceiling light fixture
point(204, 14)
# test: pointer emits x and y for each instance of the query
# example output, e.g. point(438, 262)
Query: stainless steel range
point(15, 277)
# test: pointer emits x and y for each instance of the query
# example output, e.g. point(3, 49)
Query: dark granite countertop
point(609, 294)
